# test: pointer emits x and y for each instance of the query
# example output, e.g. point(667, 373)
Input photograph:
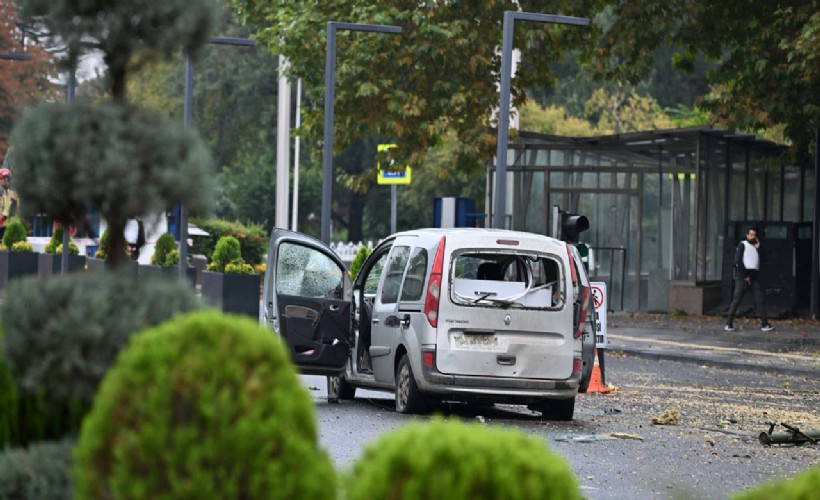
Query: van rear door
point(307, 297)
point(507, 314)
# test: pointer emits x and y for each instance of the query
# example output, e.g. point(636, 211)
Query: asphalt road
point(712, 452)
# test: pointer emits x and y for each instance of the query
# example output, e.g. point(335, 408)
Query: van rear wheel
point(339, 388)
point(408, 398)
point(556, 409)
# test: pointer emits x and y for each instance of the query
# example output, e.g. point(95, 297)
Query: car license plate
point(477, 342)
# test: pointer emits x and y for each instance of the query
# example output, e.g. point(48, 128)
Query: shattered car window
point(306, 272)
point(507, 280)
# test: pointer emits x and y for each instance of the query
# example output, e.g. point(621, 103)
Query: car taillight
point(576, 366)
point(428, 358)
point(434, 286)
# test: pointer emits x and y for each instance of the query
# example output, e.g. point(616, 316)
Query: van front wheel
point(408, 398)
point(339, 388)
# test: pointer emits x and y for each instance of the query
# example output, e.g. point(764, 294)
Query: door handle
point(375, 321)
point(392, 321)
point(334, 308)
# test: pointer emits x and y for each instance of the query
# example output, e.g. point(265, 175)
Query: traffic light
point(572, 225)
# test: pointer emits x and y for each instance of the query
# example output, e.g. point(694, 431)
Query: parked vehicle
point(479, 315)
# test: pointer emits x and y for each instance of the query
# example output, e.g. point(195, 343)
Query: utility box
point(456, 212)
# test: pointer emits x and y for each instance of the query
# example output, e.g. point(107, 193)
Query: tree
point(766, 56)
point(21, 82)
point(121, 160)
point(439, 76)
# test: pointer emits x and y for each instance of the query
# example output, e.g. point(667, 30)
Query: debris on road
point(624, 435)
point(669, 417)
point(793, 436)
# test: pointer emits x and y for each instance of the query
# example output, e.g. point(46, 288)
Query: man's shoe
point(729, 328)
point(766, 328)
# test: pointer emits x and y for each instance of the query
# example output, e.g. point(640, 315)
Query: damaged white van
point(437, 315)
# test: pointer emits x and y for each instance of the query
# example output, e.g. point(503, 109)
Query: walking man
point(747, 266)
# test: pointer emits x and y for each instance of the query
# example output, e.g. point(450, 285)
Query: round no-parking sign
point(599, 301)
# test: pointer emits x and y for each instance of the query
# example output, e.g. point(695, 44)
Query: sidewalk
point(793, 349)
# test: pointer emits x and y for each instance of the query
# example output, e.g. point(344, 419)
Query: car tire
point(408, 397)
point(339, 388)
point(556, 409)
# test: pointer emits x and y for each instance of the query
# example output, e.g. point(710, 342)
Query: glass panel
point(773, 195)
point(716, 180)
point(413, 286)
point(371, 281)
point(792, 193)
point(307, 272)
point(737, 198)
point(395, 271)
point(808, 189)
point(757, 182)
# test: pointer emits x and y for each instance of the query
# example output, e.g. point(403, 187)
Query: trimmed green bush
point(203, 406)
point(804, 486)
point(164, 246)
point(8, 404)
point(455, 461)
point(22, 246)
point(41, 471)
point(73, 249)
point(63, 354)
point(56, 240)
point(239, 268)
point(105, 246)
point(358, 261)
point(253, 239)
point(227, 251)
point(15, 232)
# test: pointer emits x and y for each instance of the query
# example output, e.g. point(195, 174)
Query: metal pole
point(330, 98)
point(294, 225)
point(504, 100)
point(72, 82)
point(815, 233)
point(183, 212)
point(392, 208)
point(282, 146)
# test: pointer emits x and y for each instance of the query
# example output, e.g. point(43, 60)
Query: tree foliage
point(440, 75)
point(767, 56)
point(120, 29)
point(112, 156)
point(123, 161)
point(21, 82)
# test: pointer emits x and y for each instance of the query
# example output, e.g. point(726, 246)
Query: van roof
point(472, 232)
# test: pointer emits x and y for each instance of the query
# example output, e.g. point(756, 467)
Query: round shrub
point(15, 232)
point(802, 487)
point(162, 248)
point(56, 240)
point(203, 406)
point(227, 250)
point(358, 261)
point(42, 470)
point(62, 334)
point(105, 246)
point(454, 461)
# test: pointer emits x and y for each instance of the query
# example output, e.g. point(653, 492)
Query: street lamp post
point(500, 191)
point(330, 97)
point(186, 113)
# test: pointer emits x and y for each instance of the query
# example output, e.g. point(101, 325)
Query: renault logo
point(507, 320)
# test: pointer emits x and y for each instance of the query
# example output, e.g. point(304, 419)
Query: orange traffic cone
point(596, 382)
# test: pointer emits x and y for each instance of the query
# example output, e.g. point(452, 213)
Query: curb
point(654, 356)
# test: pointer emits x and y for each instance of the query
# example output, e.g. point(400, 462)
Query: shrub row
point(253, 239)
